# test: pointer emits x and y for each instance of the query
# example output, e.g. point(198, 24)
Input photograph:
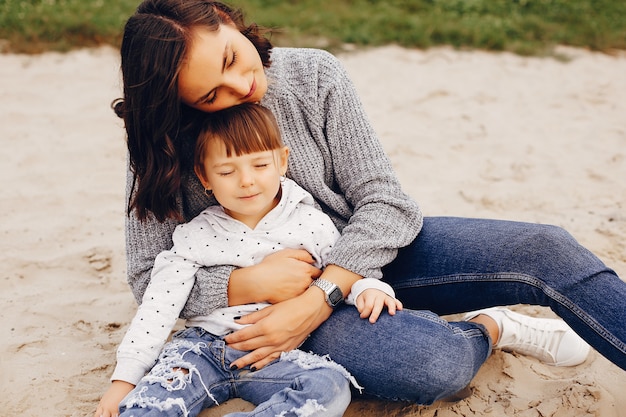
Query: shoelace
point(541, 340)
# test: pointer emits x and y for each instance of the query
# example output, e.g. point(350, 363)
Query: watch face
point(335, 297)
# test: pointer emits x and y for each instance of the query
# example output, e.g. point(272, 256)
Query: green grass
point(529, 27)
point(39, 25)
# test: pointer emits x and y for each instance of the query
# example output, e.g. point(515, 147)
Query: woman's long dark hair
point(154, 46)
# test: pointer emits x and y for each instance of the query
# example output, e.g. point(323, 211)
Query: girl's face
point(222, 69)
point(246, 186)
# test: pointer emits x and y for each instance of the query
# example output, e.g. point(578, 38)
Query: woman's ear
point(283, 159)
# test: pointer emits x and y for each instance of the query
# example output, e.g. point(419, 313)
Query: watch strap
point(333, 293)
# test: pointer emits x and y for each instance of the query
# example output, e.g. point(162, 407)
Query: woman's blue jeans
point(458, 265)
point(193, 373)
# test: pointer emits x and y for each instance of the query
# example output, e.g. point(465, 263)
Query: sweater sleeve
point(383, 217)
point(146, 239)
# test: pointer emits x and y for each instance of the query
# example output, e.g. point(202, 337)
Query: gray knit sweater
point(334, 154)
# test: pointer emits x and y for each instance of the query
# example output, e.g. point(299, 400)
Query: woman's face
point(222, 69)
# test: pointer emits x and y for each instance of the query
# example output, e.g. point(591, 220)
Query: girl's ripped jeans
point(193, 373)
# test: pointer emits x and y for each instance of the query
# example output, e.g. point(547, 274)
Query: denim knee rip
point(308, 409)
point(312, 361)
point(170, 373)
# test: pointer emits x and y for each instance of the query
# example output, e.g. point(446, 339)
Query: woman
point(183, 57)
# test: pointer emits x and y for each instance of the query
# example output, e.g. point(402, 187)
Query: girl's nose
point(246, 179)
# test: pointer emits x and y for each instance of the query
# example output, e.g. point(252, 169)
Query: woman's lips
point(252, 89)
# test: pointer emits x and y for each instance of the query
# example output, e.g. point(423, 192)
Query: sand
point(470, 134)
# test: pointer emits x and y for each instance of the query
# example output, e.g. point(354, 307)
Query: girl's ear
point(200, 174)
point(283, 157)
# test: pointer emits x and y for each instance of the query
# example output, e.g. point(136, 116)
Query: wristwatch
point(334, 296)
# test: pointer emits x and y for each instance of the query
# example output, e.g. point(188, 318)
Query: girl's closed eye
point(224, 173)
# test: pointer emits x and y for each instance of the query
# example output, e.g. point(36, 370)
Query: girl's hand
point(278, 328)
point(371, 302)
point(110, 402)
point(287, 274)
point(280, 276)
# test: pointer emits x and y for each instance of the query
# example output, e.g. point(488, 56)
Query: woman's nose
point(238, 85)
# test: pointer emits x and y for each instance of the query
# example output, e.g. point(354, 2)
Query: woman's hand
point(110, 402)
point(278, 328)
point(284, 326)
point(280, 276)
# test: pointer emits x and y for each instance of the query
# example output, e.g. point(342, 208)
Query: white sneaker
point(551, 341)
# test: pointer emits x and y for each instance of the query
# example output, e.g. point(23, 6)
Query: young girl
point(241, 160)
point(181, 58)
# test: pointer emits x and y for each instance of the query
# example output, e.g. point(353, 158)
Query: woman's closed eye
point(211, 99)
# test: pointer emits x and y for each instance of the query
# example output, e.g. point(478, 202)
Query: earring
point(282, 179)
point(208, 192)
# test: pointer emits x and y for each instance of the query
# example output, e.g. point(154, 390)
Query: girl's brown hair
point(155, 43)
point(243, 129)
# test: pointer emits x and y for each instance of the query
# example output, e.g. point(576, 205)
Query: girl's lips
point(252, 89)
